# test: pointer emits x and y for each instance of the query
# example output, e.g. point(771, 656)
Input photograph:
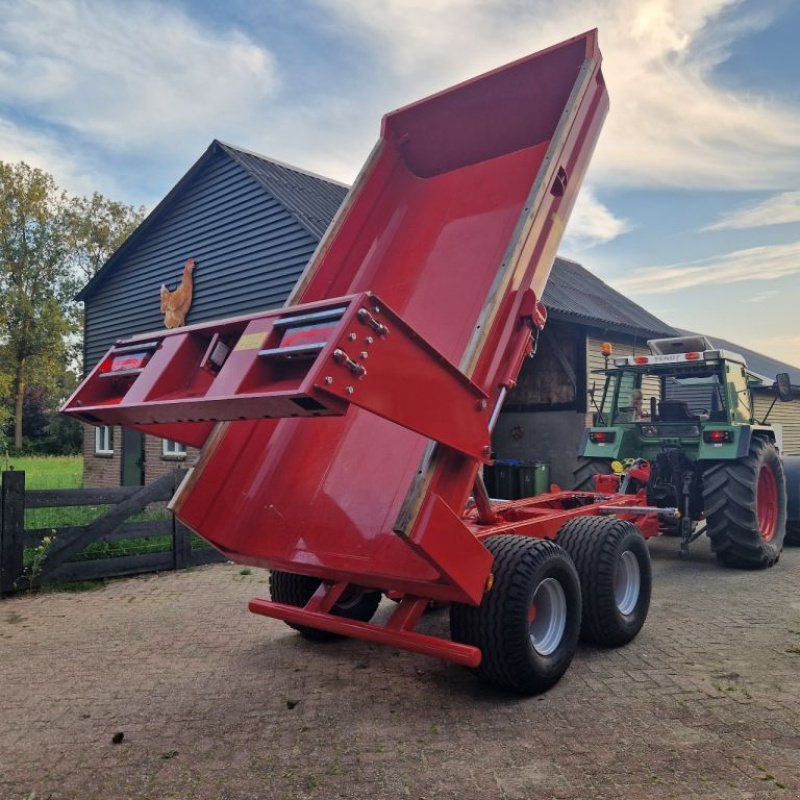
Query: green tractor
point(685, 414)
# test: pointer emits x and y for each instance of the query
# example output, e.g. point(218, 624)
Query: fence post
point(12, 528)
point(181, 535)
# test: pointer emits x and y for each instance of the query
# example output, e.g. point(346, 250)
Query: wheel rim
point(627, 583)
point(547, 616)
point(767, 503)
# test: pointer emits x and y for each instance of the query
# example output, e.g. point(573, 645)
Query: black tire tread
point(584, 472)
point(595, 545)
point(729, 501)
point(296, 590)
point(492, 626)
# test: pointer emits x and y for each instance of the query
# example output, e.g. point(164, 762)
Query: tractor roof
point(670, 362)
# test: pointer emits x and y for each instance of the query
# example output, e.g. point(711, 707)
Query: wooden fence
point(60, 559)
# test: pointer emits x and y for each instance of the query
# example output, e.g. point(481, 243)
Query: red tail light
point(693, 356)
point(602, 437)
point(641, 360)
point(127, 361)
point(717, 437)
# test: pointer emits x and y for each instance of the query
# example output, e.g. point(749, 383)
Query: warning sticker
point(250, 341)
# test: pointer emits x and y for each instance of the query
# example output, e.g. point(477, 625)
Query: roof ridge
point(233, 150)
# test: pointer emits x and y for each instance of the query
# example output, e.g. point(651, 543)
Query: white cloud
point(154, 83)
point(670, 125)
point(48, 153)
point(592, 223)
point(762, 297)
point(760, 264)
point(129, 76)
point(777, 210)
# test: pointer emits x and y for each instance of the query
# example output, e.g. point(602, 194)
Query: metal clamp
point(367, 318)
point(340, 357)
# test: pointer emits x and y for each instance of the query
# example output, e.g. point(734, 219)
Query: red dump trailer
point(343, 435)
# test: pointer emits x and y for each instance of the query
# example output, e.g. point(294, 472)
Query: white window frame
point(104, 440)
point(170, 449)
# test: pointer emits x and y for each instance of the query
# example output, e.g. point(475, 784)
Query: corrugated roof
point(572, 292)
point(764, 366)
point(311, 199)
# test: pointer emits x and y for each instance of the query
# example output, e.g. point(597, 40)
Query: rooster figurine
point(175, 305)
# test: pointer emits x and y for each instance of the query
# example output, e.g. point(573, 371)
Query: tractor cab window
point(619, 397)
point(628, 407)
point(703, 396)
point(738, 392)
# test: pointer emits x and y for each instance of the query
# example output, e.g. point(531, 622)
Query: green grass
point(66, 472)
point(48, 472)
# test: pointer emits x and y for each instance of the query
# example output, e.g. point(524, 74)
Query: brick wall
point(106, 470)
point(156, 463)
point(101, 470)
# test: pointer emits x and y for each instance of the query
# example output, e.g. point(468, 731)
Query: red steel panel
point(454, 222)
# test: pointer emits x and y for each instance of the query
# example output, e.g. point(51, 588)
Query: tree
point(50, 245)
point(95, 229)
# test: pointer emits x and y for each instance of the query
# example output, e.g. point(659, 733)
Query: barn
point(252, 223)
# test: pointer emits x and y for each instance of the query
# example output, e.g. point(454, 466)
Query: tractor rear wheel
point(296, 590)
point(583, 474)
point(613, 563)
point(745, 507)
point(528, 622)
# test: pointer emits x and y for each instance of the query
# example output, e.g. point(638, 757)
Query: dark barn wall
point(544, 416)
point(249, 250)
point(550, 437)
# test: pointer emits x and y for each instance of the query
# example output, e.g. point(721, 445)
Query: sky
point(691, 206)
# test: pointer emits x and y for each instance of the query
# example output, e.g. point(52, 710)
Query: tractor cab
point(696, 398)
point(683, 416)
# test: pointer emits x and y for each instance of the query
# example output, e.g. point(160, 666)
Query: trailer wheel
point(613, 563)
point(745, 507)
point(528, 622)
point(296, 590)
point(583, 474)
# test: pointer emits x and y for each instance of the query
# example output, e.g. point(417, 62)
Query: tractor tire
point(528, 623)
point(583, 474)
point(745, 507)
point(613, 564)
point(296, 590)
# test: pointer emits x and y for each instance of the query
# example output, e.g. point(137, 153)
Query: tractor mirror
point(783, 384)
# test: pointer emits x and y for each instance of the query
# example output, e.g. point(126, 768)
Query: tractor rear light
point(641, 360)
point(602, 437)
point(693, 356)
point(717, 437)
point(620, 362)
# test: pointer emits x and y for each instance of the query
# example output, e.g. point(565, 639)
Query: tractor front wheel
point(587, 468)
point(528, 622)
point(613, 563)
point(745, 507)
point(296, 590)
